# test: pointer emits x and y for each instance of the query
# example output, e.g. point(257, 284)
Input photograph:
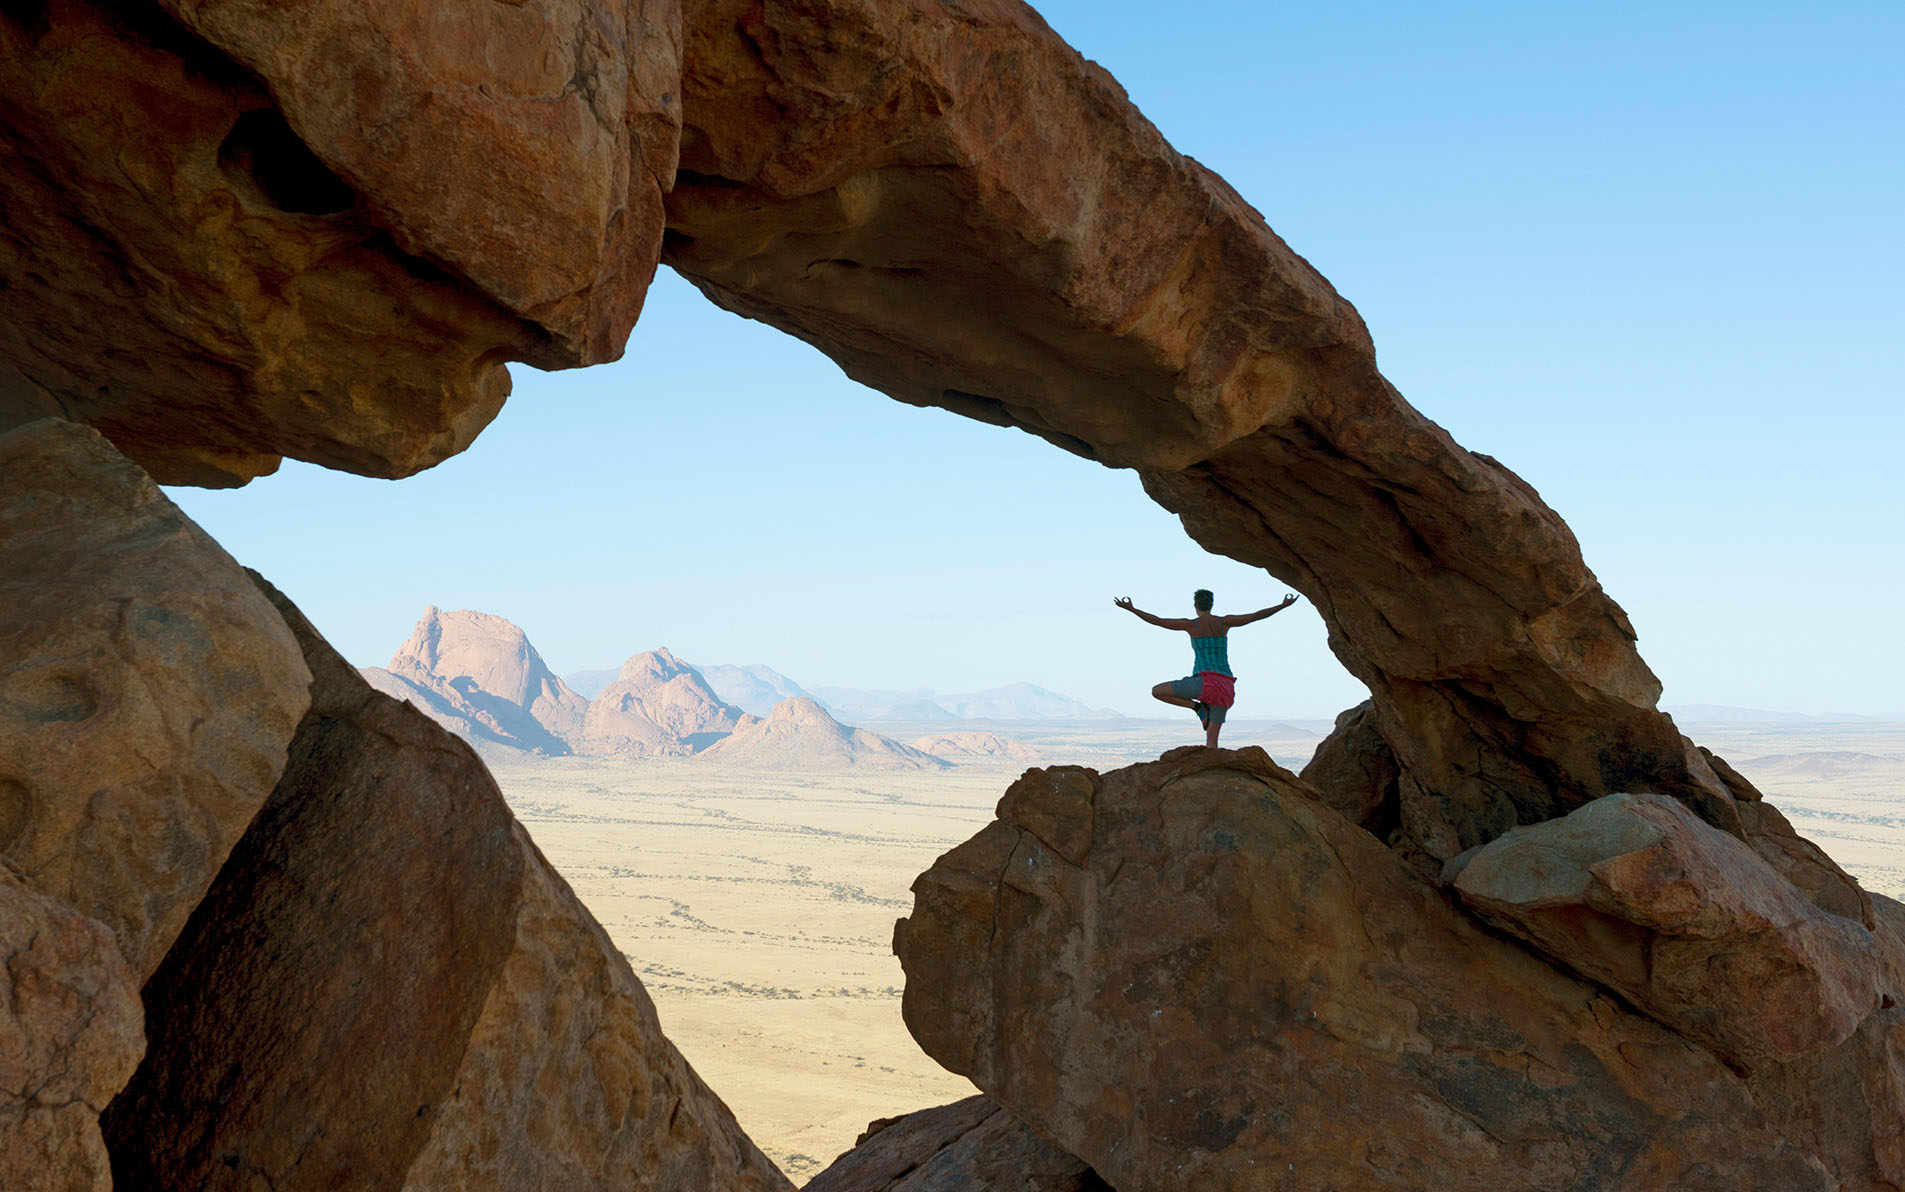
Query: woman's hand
point(1123, 602)
point(1288, 601)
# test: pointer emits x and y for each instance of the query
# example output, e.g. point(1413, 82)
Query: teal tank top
point(1213, 654)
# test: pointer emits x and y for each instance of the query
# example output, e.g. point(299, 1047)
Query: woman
point(1210, 689)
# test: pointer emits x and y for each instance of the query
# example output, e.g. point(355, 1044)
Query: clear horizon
point(1647, 258)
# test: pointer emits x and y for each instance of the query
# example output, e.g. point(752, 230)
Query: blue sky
point(1650, 256)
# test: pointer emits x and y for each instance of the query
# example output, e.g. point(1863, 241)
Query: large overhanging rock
point(1193, 974)
point(389, 985)
point(148, 693)
point(963, 212)
point(325, 238)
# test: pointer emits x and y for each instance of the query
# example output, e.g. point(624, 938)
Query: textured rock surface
point(148, 694)
point(70, 1035)
point(658, 705)
point(1685, 922)
point(1217, 982)
point(525, 146)
point(478, 670)
point(799, 735)
point(967, 1146)
point(388, 981)
point(963, 212)
point(182, 273)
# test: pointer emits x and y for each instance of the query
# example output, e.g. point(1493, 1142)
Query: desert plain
point(758, 906)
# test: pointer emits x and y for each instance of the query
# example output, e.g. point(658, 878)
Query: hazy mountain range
point(478, 675)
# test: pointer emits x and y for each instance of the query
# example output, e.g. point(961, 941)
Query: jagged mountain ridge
point(477, 675)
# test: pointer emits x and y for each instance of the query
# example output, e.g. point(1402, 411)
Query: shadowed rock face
point(963, 212)
point(967, 1146)
point(388, 984)
point(1193, 974)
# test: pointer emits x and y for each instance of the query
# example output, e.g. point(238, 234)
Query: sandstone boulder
point(525, 146)
point(185, 274)
point(1219, 983)
point(1635, 893)
point(658, 705)
point(70, 1035)
point(148, 695)
point(799, 735)
point(388, 984)
point(967, 1146)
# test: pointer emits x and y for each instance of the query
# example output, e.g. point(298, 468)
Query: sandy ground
point(758, 908)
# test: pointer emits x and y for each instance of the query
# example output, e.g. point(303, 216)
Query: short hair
point(1203, 600)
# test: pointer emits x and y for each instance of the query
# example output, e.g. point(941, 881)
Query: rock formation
point(231, 233)
point(967, 1146)
point(659, 706)
point(478, 670)
point(70, 1036)
point(976, 746)
point(1298, 1000)
point(948, 205)
point(148, 694)
point(388, 982)
point(799, 735)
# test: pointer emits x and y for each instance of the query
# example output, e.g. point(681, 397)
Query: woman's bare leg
point(1163, 692)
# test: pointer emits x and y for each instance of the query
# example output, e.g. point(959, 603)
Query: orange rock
point(658, 705)
point(388, 983)
point(1687, 923)
point(69, 1037)
point(148, 693)
point(1236, 988)
point(525, 146)
point(185, 274)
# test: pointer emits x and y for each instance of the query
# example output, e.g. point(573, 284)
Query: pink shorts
point(1208, 687)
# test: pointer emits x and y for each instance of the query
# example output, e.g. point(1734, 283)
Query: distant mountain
point(589, 683)
point(798, 734)
point(754, 689)
point(1725, 714)
point(658, 705)
point(976, 747)
point(477, 674)
point(1016, 701)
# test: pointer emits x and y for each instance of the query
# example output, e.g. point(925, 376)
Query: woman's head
point(1203, 600)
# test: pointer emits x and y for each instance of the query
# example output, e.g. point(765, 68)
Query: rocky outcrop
point(1303, 1007)
point(184, 273)
point(976, 746)
point(967, 1146)
point(1635, 893)
point(240, 198)
point(658, 706)
point(799, 735)
point(963, 212)
point(466, 668)
point(523, 146)
point(388, 981)
point(69, 1037)
point(148, 693)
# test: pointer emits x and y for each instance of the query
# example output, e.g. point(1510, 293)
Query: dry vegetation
point(758, 908)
